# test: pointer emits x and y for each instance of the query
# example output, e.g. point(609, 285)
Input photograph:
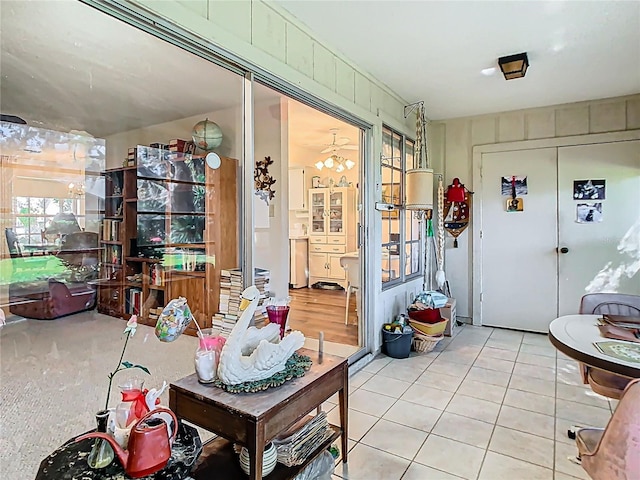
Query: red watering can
point(149, 447)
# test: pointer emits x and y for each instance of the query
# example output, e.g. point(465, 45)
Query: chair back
point(610, 303)
point(12, 242)
point(617, 456)
point(352, 267)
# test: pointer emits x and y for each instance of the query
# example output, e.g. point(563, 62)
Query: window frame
point(36, 238)
point(398, 169)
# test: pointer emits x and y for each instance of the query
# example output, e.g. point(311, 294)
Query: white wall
point(451, 148)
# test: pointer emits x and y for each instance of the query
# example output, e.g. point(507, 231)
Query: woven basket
point(425, 343)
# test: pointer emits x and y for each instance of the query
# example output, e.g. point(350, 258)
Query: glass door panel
point(336, 217)
point(318, 213)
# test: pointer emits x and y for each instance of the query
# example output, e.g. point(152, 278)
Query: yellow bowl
point(429, 328)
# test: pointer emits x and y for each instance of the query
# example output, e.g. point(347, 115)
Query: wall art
point(515, 205)
point(589, 212)
point(589, 189)
point(514, 185)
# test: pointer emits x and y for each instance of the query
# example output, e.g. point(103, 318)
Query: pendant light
point(419, 181)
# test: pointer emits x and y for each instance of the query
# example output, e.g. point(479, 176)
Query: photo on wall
point(589, 189)
point(589, 212)
point(515, 205)
point(514, 186)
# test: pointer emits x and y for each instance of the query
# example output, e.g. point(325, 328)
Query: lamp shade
point(419, 183)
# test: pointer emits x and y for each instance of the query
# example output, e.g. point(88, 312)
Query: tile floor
point(488, 404)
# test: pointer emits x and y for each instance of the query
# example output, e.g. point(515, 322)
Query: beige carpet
point(54, 378)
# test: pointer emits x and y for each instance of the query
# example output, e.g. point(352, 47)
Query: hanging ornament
point(440, 275)
point(457, 209)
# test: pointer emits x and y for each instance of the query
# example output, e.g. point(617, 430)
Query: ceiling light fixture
point(514, 66)
point(340, 164)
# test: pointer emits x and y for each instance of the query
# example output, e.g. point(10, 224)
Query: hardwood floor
point(314, 310)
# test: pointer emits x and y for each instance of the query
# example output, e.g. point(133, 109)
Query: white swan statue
point(251, 353)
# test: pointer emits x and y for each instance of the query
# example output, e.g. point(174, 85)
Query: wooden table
point(254, 419)
point(574, 335)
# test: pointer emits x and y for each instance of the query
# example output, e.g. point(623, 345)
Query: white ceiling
point(66, 66)
point(435, 50)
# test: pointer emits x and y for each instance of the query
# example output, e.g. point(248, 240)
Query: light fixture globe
point(329, 162)
point(349, 163)
point(319, 165)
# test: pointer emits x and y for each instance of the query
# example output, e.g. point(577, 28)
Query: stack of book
point(231, 287)
point(154, 313)
point(298, 442)
point(224, 323)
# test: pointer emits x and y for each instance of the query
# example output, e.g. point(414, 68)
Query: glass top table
point(574, 335)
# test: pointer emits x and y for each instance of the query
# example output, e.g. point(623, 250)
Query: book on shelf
point(112, 254)
point(157, 275)
point(111, 230)
point(133, 301)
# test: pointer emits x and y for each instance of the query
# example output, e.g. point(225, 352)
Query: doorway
point(572, 236)
point(305, 233)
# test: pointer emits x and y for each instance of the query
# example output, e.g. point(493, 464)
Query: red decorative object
point(456, 191)
point(278, 314)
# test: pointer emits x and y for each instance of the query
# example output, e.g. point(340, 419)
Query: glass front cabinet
point(333, 232)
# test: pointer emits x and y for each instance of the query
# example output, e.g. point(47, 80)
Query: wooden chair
point(602, 382)
point(613, 453)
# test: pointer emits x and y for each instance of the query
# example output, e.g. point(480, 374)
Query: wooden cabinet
point(332, 232)
point(178, 230)
point(297, 189)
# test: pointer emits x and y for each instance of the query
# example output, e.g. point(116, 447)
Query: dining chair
point(613, 452)
point(603, 382)
point(352, 267)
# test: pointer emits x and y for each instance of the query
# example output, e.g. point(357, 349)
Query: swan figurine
point(252, 354)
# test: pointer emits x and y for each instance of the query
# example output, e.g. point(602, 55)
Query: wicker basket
point(425, 343)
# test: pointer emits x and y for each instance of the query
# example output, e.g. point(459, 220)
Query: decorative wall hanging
point(263, 181)
point(515, 205)
point(457, 209)
point(514, 185)
point(589, 189)
point(589, 212)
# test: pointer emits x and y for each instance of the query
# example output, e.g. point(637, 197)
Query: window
point(401, 242)
point(33, 214)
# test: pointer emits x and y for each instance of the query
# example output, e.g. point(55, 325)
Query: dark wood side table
point(254, 419)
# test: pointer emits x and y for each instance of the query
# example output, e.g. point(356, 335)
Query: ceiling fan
point(338, 144)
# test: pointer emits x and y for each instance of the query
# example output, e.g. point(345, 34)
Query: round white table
point(574, 335)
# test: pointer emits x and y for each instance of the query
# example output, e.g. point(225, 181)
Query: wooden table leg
point(255, 445)
point(344, 411)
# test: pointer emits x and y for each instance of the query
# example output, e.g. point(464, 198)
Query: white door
point(596, 256)
point(527, 279)
point(519, 262)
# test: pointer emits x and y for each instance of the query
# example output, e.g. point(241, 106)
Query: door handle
point(563, 250)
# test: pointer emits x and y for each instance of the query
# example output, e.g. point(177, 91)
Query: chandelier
point(336, 162)
point(76, 189)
